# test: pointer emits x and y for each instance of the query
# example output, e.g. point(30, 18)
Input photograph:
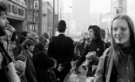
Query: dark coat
point(6, 60)
point(30, 72)
point(30, 69)
point(103, 67)
point(42, 63)
point(61, 48)
point(98, 46)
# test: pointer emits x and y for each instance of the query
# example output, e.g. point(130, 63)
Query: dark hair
point(39, 47)
point(2, 32)
point(14, 36)
point(22, 37)
point(61, 26)
point(118, 49)
point(3, 7)
point(97, 31)
point(27, 43)
point(46, 35)
point(3, 10)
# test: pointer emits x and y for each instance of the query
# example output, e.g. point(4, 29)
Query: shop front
point(16, 14)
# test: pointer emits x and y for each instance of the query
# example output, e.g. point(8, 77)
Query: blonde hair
point(130, 25)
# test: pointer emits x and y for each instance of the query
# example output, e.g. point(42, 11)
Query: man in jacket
point(61, 48)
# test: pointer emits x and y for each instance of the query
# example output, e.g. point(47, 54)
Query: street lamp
point(53, 29)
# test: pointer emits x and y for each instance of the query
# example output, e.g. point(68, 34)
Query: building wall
point(44, 17)
point(33, 16)
point(118, 7)
point(49, 19)
point(16, 13)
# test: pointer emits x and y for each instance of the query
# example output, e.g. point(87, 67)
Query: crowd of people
point(28, 57)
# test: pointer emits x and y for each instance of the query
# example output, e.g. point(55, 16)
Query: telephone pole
point(53, 31)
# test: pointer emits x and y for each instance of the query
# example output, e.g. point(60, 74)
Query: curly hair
point(61, 26)
point(3, 7)
point(97, 31)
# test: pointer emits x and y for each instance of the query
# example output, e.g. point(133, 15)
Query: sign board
point(16, 10)
point(20, 2)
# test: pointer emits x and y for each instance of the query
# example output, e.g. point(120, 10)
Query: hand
point(73, 63)
point(91, 54)
point(60, 68)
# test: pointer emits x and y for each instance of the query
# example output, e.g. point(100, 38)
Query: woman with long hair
point(117, 63)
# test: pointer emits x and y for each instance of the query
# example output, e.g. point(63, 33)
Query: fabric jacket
point(42, 63)
point(30, 71)
point(104, 67)
point(8, 72)
point(61, 48)
point(98, 46)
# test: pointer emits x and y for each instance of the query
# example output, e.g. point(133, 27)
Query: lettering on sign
point(15, 10)
point(20, 2)
point(36, 4)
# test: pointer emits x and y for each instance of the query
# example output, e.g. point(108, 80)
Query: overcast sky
point(82, 9)
point(100, 6)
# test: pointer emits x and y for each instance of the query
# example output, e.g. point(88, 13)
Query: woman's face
point(83, 69)
point(31, 47)
point(120, 31)
point(91, 34)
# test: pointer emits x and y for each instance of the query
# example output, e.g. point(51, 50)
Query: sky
point(96, 6)
point(131, 9)
point(81, 14)
point(83, 8)
point(99, 6)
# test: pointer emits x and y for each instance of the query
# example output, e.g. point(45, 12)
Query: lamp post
point(40, 17)
point(53, 29)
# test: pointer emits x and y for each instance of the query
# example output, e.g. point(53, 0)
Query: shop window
point(14, 9)
point(20, 12)
point(9, 8)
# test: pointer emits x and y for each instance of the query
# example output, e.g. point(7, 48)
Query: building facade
point(24, 15)
point(118, 7)
point(33, 16)
point(16, 13)
point(49, 18)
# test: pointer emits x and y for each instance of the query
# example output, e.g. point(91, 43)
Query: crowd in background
point(29, 57)
point(43, 59)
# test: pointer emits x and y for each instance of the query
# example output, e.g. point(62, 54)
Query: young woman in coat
point(117, 63)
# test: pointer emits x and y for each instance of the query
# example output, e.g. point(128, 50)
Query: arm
point(12, 75)
point(99, 72)
point(99, 75)
point(11, 72)
point(72, 50)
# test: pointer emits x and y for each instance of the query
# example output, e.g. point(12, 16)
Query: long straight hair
point(116, 48)
point(131, 29)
